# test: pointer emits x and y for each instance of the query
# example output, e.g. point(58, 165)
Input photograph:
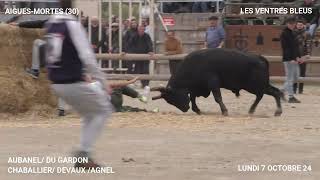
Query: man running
point(69, 56)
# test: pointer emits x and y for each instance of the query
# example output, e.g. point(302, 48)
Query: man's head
point(94, 21)
point(300, 25)
point(65, 4)
point(133, 24)
point(213, 21)
point(126, 23)
point(115, 26)
point(176, 97)
point(291, 23)
point(170, 34)
point(141, 30)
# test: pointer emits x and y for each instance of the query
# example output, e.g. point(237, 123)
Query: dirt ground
point(175, 146)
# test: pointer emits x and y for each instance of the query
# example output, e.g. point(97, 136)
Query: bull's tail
point(265, 61)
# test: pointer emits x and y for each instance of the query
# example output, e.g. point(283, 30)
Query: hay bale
point(19, 92)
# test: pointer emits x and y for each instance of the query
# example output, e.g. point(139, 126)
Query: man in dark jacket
point(140, 44)
point(290, 58)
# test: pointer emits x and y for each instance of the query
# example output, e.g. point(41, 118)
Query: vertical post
point(120, 32)
point(140, 16)
point(89, 29)
point(151, 21)
point(110, 31)
point(130, 9)
point(100, 28)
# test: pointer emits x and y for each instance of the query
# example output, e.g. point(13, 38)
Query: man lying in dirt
point(118, 90)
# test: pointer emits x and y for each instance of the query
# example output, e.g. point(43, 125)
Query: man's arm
point(85, 52)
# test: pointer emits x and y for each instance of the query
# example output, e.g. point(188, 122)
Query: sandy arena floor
point(175, 146)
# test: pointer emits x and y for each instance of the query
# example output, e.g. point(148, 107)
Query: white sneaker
point(143, 98)
point(156, 110)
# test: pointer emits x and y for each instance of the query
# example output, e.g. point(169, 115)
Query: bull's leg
point(218, 98)
point(277, 94)
point(255, 104)
point(194, 105)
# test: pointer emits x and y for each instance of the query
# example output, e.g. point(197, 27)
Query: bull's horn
point(122, 84)
point(157, 88)
point(156, 97)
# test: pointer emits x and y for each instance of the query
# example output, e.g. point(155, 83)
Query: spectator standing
point(172, 46)
point(145, 23)
point(140, 43)
point(84, 22)
point(304, 40)
point(215, 34)
point(126, 26)
point(290, 57)
point(104, 43)
point(133, 30)
point(95, 33)
point(311, 19)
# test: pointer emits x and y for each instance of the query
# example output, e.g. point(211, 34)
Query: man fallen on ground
point(118, 90)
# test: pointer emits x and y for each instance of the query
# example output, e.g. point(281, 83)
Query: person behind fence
point(290, 57)
point(140, 44)
point(69, 55)
point(133, 30)
point(125, 26)
point(95, 33)
point(304, 40)
point(172, 46)
point(215, 34)
point(312, 20)
point(104, 43)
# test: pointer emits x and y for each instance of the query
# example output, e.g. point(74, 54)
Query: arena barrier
point(165, 77)
point(162, 57)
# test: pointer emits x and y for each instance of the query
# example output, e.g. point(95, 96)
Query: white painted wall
point(89, 7)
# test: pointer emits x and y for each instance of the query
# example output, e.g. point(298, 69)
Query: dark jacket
point(104, 43)
point(131, 33)
point(139, 44)
point(289, 44)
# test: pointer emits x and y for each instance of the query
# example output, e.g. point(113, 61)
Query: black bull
point(208, 70)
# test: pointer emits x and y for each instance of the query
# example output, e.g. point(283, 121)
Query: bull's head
point(176, 97)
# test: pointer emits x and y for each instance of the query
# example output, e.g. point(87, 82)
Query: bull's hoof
point(225, 113)
point(196, 110)
point(278, 112)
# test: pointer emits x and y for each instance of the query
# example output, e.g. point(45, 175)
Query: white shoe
point(143, 98)
point(146, 90)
